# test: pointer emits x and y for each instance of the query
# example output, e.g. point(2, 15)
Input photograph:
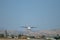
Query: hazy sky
point(43, 14)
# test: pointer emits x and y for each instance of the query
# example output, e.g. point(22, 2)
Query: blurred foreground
point(21, 39)
point(49, 35)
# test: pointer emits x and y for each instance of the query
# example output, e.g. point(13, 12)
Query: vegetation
point(57, 37)
point(12, 36)
point(1, 35)
point(31, 36)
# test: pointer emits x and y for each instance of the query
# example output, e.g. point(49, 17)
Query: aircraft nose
point(29, 28)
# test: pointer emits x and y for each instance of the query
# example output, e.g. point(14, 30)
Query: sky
point(43, 14)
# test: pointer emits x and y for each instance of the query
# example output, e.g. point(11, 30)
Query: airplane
point(28, 27)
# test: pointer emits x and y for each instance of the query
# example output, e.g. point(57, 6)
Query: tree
point(57, 37)
point(6, 34)
point(1, 35)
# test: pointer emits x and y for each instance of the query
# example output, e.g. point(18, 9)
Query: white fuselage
point(28, 27)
